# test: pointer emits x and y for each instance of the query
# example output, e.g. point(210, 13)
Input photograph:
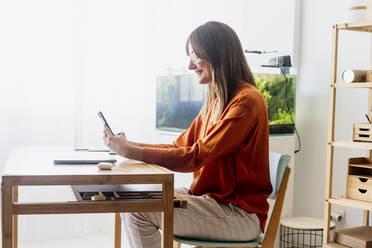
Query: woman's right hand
point(117, 143)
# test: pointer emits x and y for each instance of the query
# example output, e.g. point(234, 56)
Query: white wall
point(312, 105)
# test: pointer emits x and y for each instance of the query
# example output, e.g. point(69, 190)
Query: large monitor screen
point(180, 97)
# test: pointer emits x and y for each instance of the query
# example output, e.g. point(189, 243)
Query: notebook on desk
point(83, 158)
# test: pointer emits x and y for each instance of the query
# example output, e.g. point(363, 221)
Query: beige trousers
point(203, 218)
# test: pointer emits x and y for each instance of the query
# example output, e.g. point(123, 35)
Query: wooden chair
point(279, 174)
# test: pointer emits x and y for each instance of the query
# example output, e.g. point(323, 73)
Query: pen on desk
point(98, 150)
point(91, 150)
point(80, 149)
point(368, 119)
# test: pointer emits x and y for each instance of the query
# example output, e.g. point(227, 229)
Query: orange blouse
point(229, 157)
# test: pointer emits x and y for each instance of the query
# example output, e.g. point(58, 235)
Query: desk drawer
point(359, 188)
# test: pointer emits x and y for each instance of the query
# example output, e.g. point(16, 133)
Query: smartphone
point(105, 122)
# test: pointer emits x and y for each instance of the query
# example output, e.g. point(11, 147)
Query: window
point(179, 99)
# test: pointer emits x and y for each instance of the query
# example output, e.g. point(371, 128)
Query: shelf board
point(337, 245)
point(351, 144)
point(360, 166)
point(342, 201)
point(356, 26)
point(354, 85)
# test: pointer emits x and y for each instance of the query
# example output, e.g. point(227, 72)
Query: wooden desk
point(30, 166)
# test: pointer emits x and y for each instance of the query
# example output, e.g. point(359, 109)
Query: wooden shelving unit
point(354, 85)
point(342, 201)
point(356, 26)
point(332, 143)
point(351, 144)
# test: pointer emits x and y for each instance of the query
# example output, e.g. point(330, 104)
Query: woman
point(226, 147)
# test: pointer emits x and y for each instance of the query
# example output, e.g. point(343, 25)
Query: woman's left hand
point(117, 143)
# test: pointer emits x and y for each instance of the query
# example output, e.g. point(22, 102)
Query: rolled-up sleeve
point(222, 138)
point(185, 139)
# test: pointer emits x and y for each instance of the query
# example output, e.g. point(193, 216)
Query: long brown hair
point(218, 45)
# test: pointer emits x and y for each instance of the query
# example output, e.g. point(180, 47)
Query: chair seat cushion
point(189, 241)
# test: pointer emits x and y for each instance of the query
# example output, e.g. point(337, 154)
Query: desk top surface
point(30, 161)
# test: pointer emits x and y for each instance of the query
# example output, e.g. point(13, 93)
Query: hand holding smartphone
point(105, 122)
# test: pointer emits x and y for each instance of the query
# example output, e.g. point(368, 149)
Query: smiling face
point(200, 67)
point(217, 57)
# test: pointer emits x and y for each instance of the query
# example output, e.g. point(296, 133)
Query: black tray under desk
point(125, 192)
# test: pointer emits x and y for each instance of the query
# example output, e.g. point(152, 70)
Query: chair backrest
point(277, 163)
point(279, 175)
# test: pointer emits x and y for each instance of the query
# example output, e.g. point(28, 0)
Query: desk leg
point(7, 225)
point(15, 219)
point(167, 215)
point(117, 230)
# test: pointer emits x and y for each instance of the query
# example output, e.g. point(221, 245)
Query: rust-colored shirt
point(229, 157)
